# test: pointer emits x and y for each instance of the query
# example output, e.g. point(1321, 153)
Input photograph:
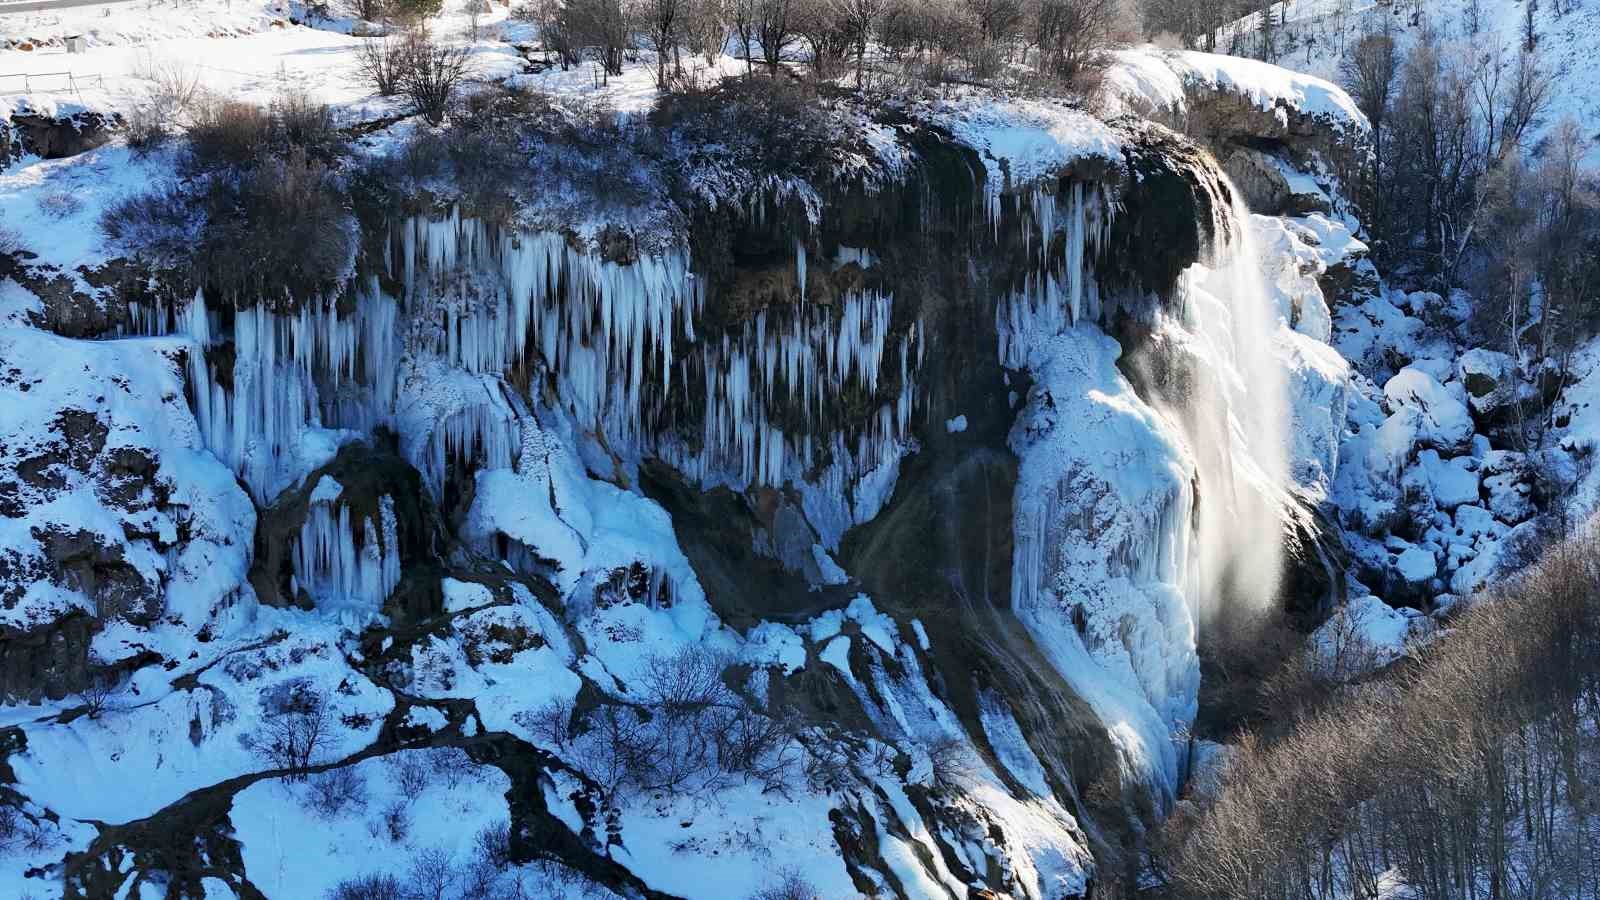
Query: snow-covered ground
point(1315, 35)
point(568, 586)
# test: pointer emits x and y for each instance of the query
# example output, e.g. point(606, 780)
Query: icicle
point(330, 566)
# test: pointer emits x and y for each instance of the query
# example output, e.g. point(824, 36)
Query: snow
point(147, 751)
point(1155, 81)
point(1318, 33)
point(134, 390)
point(956, 425)
point(1450, 482)
point(1417, 565)
point(1103, 506)
point(1361, 637)
point(1020, 140)
point(291, 850)
point(1445, 422)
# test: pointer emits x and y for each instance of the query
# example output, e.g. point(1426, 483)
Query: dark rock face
point(1265, 181)
point(56, 138)
point(366, 473)
point(46, 662)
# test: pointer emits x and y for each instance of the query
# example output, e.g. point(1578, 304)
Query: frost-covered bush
point(60, 204)
point(278, 229)
point(331, 793)
point(370, 887)
point(768, 126)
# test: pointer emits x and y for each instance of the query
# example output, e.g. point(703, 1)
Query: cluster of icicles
point(800, 361)
point(478, 303)
point(1060, 289)
point(329, 563)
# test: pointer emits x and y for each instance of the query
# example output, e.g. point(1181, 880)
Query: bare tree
point(383, 62)
point(774, 27)
point(1369, 73)
point(705, 28)
point(432, 874)
point(859, 18)
point(601, 24)
point(821, 26)
point(432, 73)
point(295, 733)
point(663, 22)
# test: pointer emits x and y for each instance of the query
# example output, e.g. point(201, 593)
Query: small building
point(76, 43)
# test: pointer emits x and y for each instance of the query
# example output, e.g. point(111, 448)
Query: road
point(34, 5)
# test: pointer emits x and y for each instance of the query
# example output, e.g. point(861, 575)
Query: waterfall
point(1241, 430)
point(1135, 510)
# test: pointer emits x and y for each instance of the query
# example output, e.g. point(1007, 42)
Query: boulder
point(1489, 379)
point(56, 137)
point(1271, 187)
point(1445, 422)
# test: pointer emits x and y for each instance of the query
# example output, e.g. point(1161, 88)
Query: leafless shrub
point(337, 790)
point(790, 884)
point(369, 10)
point(1430, 773)
point(409, 772)
point(370, 887)
point(60, 204)
point(493, 844)
point(955, 765)
point(766, 125)
point(551, 723)
point(10, 824)
point(300, 121)
point(383, 62)
point(452, 765)
point(298, 728)
point(757, 746)
point(431, 74)
point(396, 821)
point(38, 835)
point(432, 874)
point(97, 692)
point(826, 766)
point(290, 213)
point(228, 133)
point(168, 99)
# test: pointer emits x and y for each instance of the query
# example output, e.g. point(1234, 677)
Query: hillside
point(483, 451)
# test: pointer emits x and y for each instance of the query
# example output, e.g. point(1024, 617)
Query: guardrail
point(30, 82)
point(21, 6)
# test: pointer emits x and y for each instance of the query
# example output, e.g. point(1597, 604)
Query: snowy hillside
point(607, 486)
point(1315, 36)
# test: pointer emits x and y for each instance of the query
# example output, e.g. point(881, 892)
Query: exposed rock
point(45, 662)
point(1489, 379)
point(1270, 187)
point(57, 137)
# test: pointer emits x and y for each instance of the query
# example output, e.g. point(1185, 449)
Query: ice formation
point(1062, 290)
point(335, 569)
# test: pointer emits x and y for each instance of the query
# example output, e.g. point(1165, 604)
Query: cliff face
point(913, 464)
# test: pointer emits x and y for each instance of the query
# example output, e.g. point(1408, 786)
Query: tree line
point(1471, 773)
